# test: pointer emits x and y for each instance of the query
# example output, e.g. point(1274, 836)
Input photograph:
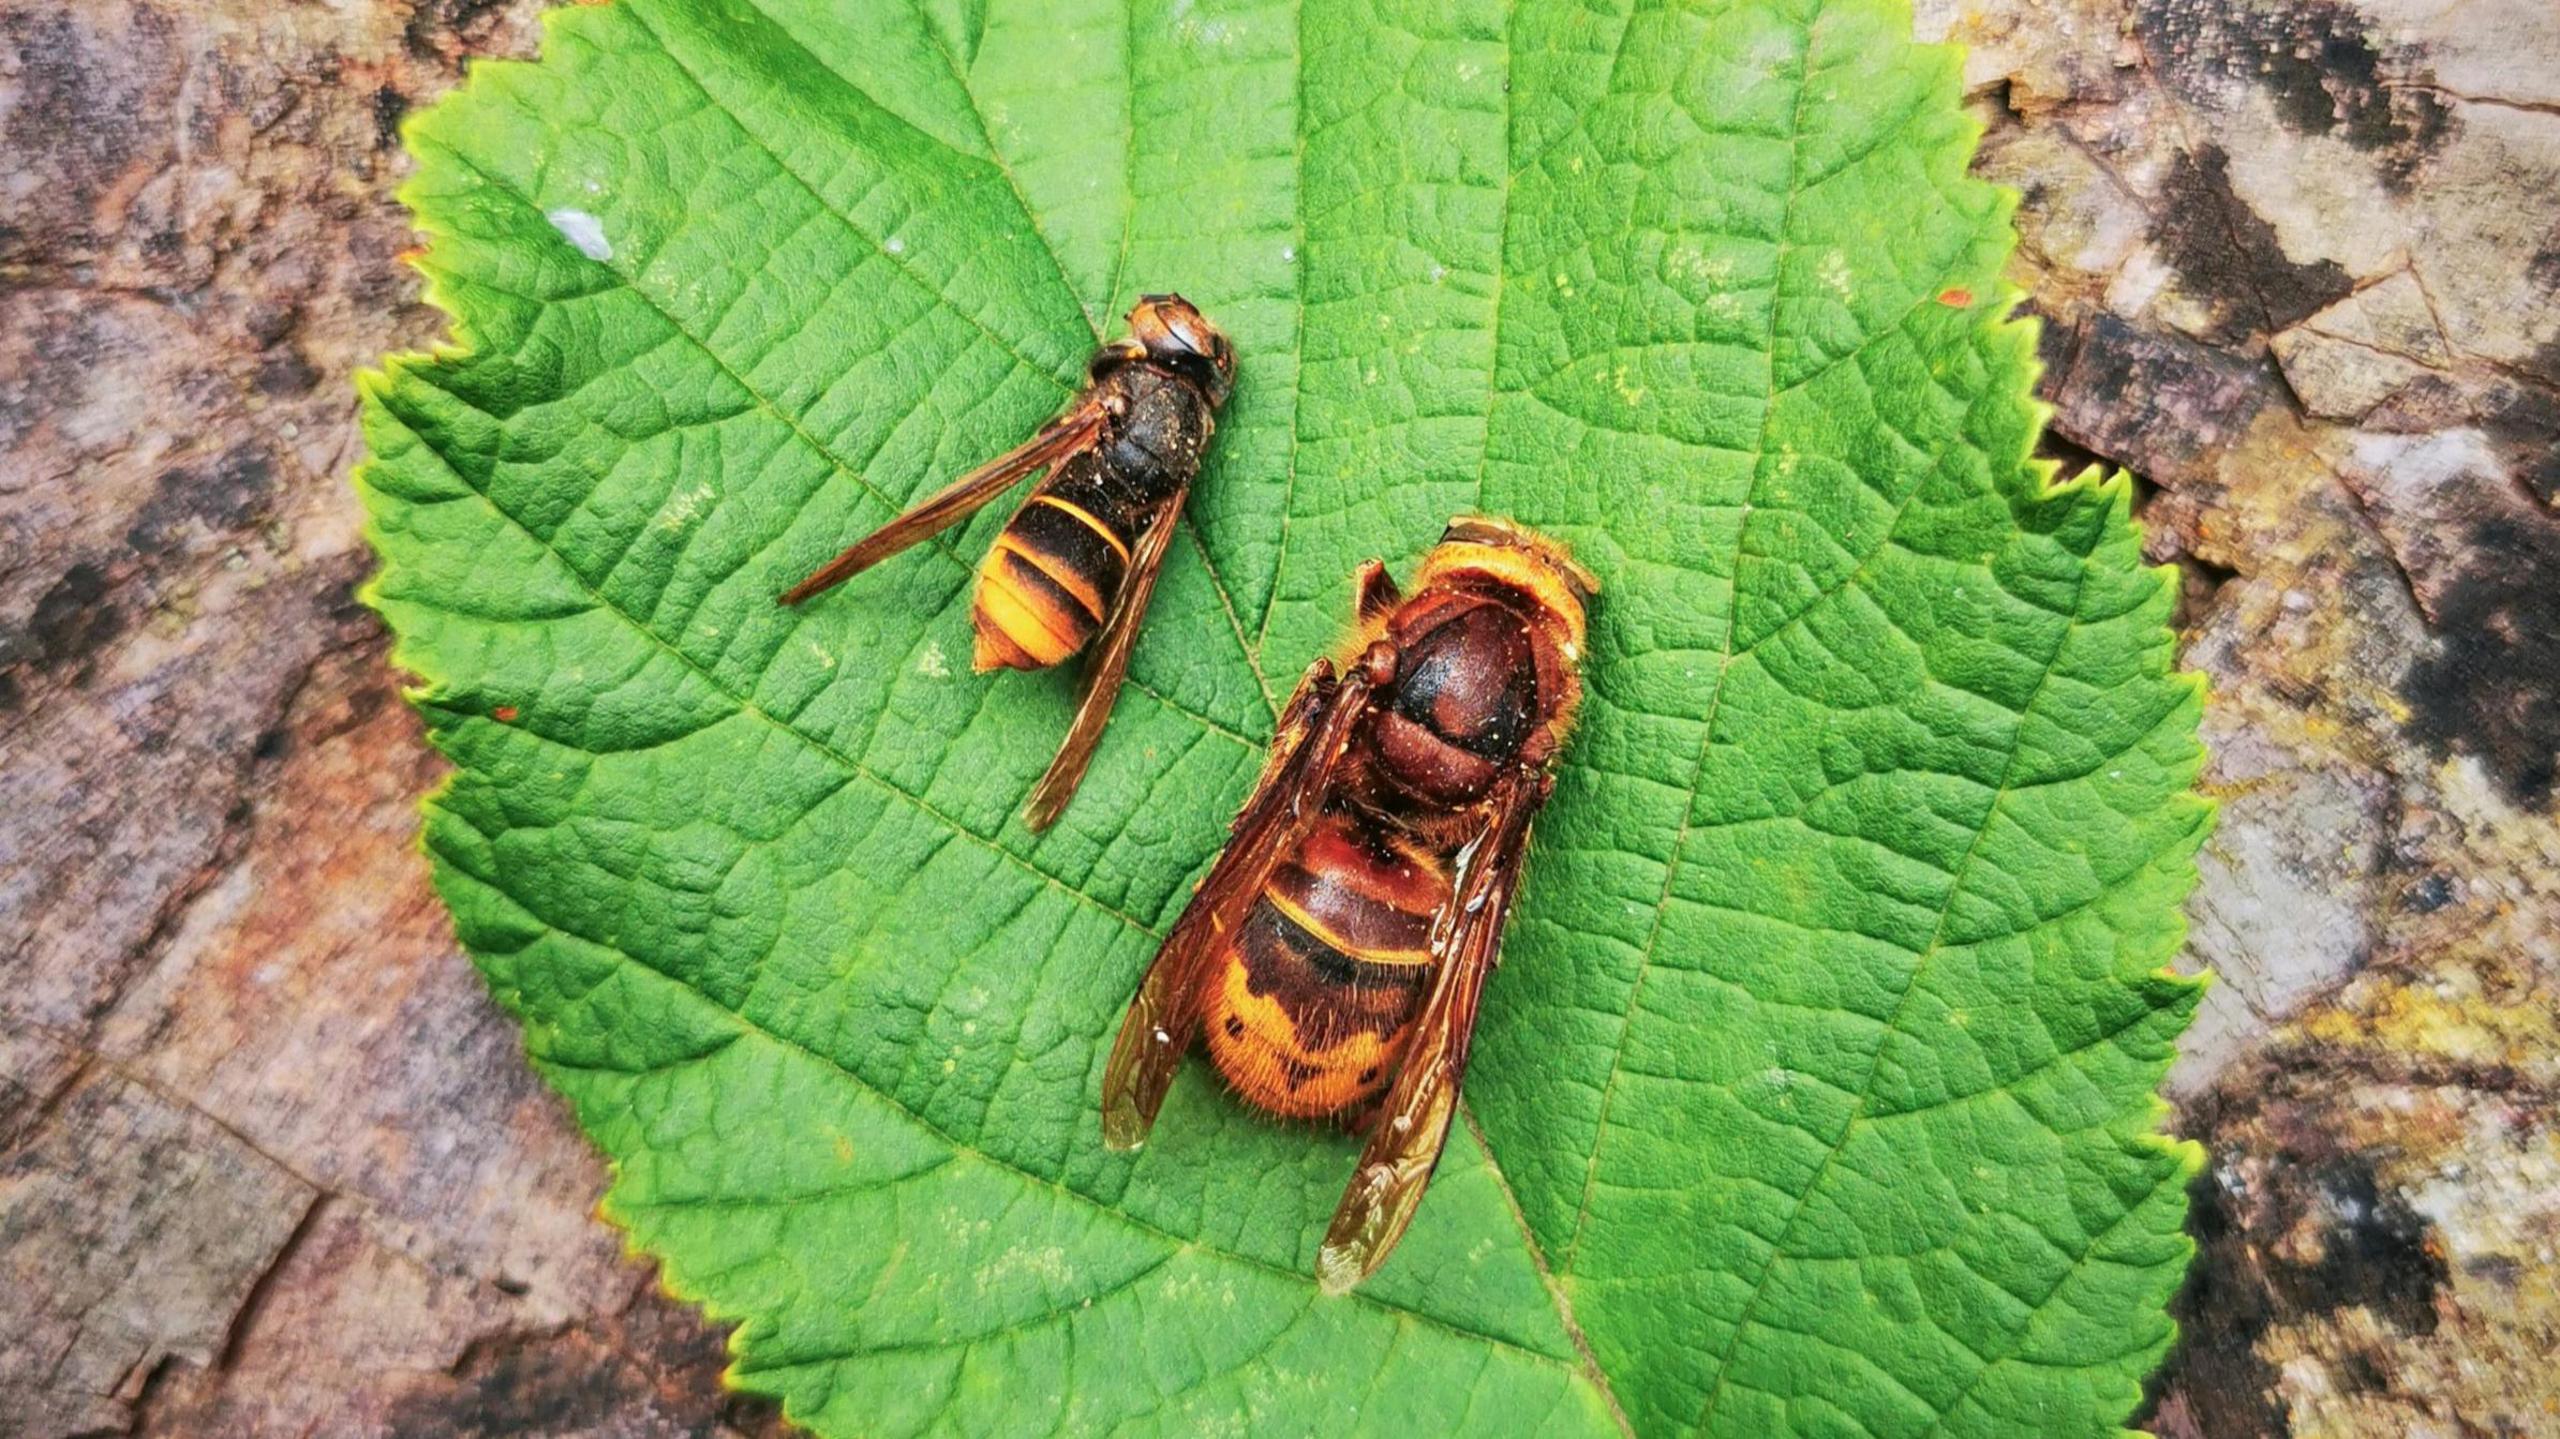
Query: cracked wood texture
point(271, 1163)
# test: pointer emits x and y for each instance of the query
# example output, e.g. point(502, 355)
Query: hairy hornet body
point(1310, 1006)
point(1334, 955)
point(1077, 563)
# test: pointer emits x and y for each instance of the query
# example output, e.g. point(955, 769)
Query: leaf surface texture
point(1814, 1096)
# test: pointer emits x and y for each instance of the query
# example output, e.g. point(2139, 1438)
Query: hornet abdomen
point(1311, 1005)
point(1049, 579)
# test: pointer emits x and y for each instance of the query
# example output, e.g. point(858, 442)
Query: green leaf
point(1815, 1094)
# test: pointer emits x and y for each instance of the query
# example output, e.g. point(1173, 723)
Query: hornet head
point(1179, 338)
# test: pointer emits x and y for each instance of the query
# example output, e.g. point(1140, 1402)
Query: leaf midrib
point(1297, 328)
point(1254, 650)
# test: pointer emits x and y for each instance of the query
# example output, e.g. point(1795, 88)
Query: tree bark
point(271, 1162)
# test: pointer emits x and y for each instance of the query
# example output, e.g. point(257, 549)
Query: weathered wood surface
point(270, 1163)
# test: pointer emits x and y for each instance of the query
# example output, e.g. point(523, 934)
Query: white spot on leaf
point(582, 230)
point(685, 508)
point(1834, 273)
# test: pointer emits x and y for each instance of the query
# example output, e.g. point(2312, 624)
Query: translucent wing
point(1075, 430)
point(1314, 732)
point(1413, 1125)
point(1107, 667)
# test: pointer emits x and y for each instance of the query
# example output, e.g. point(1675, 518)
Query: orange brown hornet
point(1080, 558)
point(1335, 954)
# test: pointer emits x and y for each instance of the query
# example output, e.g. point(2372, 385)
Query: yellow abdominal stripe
point(1085, 518)
point(1031, 627)
point(1335, 942)
point(1060, 573)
